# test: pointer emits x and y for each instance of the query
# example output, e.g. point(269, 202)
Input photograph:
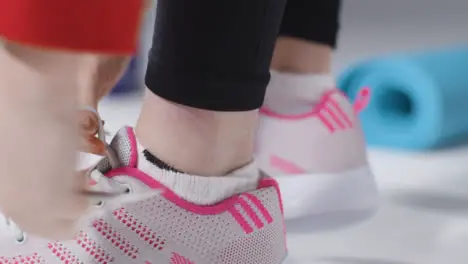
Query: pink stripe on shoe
point(116, 238)
point(239, 218)
point(91, 247)
point(324, 111)
point(133, 147)
point(145, 233)
point(246, 207)
point(325, 121)
point(259, 206)
point(178, 259)
point(272, 182)
point(314, 111)
point(285, 166)
point(251, 213)
point(174, 198)
point(328, 111)
point(24, 259)
point(334, 117)
point(341, 114)
point(64, 254)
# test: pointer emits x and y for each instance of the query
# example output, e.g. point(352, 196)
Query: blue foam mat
point(418, 100)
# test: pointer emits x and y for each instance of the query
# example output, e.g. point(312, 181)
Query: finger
point(88, 122)
point(70, 203)
point(93, 145)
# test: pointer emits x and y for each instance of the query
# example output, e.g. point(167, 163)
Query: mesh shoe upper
point(149, 224)
point(326, 139)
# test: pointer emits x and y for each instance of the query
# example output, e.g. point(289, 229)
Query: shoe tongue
point(125, 146)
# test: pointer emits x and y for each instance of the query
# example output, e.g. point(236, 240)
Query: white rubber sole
point(330, 197)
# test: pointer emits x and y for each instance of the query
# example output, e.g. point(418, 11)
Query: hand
point(89, 126)
point(98, 75)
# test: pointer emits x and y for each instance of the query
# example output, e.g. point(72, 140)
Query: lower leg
point(307, 37)
point(301, 71)
point(301, 65)
point(206, 80)
point(196, 141)
point(301, 56)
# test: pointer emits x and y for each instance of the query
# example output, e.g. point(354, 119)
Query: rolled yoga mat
point(418, 101)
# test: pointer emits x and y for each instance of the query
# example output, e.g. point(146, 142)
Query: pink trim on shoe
point(325, 121)
point(361, 103)
point(240, 219)
point(174, 198)
point(115, 238)
point(327, 110)
point(63, 253)
point(23, 259)
point(251, 213)
point(92, 247)
point(270, 182)
point(315, 110)
point(342, 116)
point(178, 259)
point(246, 203)
point(145, 233)
point(285, 166)
point(133, 162)
point(362, 100)
point(260, 207)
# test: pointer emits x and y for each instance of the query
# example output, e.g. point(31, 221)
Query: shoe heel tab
point(362, 100)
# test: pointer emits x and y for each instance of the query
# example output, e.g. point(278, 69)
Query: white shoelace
point(14, 230)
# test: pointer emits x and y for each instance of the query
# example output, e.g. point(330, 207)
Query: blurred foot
point(310, 140)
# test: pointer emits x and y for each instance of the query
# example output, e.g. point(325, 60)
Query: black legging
point(216, 54)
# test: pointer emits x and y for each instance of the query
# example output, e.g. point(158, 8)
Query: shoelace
point(103, 188)
point(14, 229)
point(106, 187)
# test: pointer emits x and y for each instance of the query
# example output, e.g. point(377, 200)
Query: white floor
point(424, 213)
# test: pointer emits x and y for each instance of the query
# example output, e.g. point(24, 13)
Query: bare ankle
point(196, 141)
point(301, 56)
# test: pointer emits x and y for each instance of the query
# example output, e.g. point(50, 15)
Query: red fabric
point(105, 26)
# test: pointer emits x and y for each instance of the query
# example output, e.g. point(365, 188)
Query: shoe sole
point(331, 199)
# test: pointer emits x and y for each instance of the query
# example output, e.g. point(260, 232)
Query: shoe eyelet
point(99, 204)
point(22, 239)
point(128, 190)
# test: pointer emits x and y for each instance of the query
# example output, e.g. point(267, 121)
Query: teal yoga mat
point(418, 100)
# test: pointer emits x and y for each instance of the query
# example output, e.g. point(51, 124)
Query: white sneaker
point(319, 158)
point(144, 222)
